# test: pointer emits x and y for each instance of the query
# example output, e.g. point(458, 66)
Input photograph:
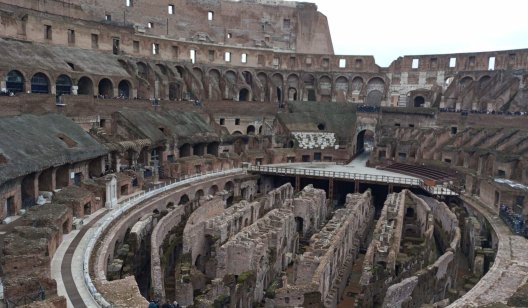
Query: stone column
point(111, 191)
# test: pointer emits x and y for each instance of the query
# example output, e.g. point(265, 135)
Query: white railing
point(435, 190)
point(126, 205)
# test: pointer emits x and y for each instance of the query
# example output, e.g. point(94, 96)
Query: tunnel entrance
point(365, 141)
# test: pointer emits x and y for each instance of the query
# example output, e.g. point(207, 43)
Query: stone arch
point(106, 88)
point(175, 91)
point(185, 150)
point(85, 86)
point(357, 84)
point(374, 98)
point(248, 78)
point(341, 89)
point(15, 81)
point(263, 78)
point(250, 130)
point(325, 88)
point(243, 95)
point(230, 77)
point(198, 72)
point(40, 83)
point(448, 80)
point(125, 88)
point(278, 82)
point(214, 79)
point(419, 101)
point(362, 138)
point(163, 69)
point(464, 82)
point(63, 85)
point(212, 148)
point(484, 80)
point(309, 86)
point(376, 84)
point(142, 70)
point(181, 71)
point(229, 186)
point(212, 190)
point(292, 94)
point(199, 194)
point(184, 199)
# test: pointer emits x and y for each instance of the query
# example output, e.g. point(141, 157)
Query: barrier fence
point(128, 204)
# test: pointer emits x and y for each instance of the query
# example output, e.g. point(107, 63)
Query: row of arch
point(229, 187)
point(64, 85)
point(246, 85)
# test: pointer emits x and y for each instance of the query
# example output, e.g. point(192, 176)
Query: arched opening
point(106, 88)
point(229, 187)
point(419, 101)
point(184, 200)
point(185, 150)
point(341, 87)
point(292, 94)
point(248, 78)
point(325, 88)
point(174, 91)
point(299, 223)
point(40, 83)
point(464, 82)
point(63, 85)
point(199, 149)
point(409, 213)
point(375, 90)
point(198, 195)
point(212, 148)
point(279, 95)
point(251, 130)
point(65, 227)
point(87, 208)
point(243, 96)
point(46, 180)
point(212, 190)
point(124, 89)
point(365, 141)
point(28, 191)
point(15, 82)
point(85, 86)
point(374, 98)
point(200, 263)
point(62, 177)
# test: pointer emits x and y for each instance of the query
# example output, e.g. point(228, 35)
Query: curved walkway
point(82, 245)
point(64, 269)
point(509, 270)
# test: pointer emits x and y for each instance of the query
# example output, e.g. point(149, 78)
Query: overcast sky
point(388, 29)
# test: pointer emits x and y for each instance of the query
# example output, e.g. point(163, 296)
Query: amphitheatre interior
point(218, 153)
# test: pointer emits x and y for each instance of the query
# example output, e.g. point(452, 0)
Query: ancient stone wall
point(325, 266)
point(402, 244)
point(432, 284)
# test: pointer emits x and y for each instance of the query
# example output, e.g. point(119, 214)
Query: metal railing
point(338, 175)
point(387, 179)
point(127, 204)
